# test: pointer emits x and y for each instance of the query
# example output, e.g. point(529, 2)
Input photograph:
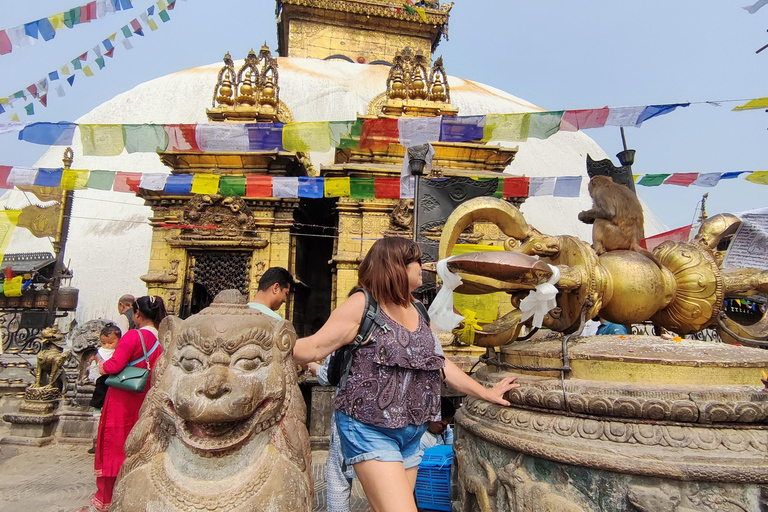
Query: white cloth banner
point(623, 116)
point(222, 137)
point(408, 182)
point(709, 179)
point(441, 314)
point(285, 186)
point(542, 300)
point(541, 186)
point(21, 176)
point(415, 131)
point(153, 181)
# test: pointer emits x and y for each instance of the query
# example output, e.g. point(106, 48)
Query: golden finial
point(227, 80)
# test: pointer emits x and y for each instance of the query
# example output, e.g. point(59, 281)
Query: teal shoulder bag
point(132, 378)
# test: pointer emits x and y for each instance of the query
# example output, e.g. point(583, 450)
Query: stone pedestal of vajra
point(641, 424)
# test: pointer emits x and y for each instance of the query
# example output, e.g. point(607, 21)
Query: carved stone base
point(30, 429)
point(76, 425)
point(320, 416)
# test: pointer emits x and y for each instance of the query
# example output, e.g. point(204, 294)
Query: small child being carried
point(109, 337)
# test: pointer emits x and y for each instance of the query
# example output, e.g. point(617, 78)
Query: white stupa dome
point(109, 240)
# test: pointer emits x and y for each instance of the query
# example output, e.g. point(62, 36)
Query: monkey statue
point(616, 217)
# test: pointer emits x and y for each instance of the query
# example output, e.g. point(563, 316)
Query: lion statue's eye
point(190, 364)
point(247, 364)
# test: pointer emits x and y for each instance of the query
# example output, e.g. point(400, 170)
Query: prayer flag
point(21, 176)
point(259, 186)
point(101, 180)
point(48, 177)
point(33, 90)
point(652, 180)
point(752, 9)
point(222, 137)
point(379, 133)
point(136, 26)
point(126, 30)
point(46, 29)
point(164, 16)
point(53, 75)
point(57, 20)
point(181, 137)
point(76, 64)
point(541, 186)
point(623, 116)
point(31, 29)
point(65, 70)
point(310, 187)
point(74, 179)
point(567, 186)
point(30, 109)
point(100, 62)
point(153, 181)
point(387, 188)
point(151, 10)
point(285, 187)
point(265, 136)
point(506, 127)
point(415, 131)
point(87, 71)
point(676, 235)
point(574, 120)
point(652, 111)
point(306, 137)
point(49, 134)
point(515, 186)
point(5, 43)
point(8, 221)
point(346, 134)
point(731, 175)
point(145, 138)
point(682, 179)
point(110, 53)
point(125, 4)
point(336, 187)
point(127, 182)
point(362, 188)
point(102, 139)
point(107, 44)
point(422, 13)
point(205, 184)
point(71, 80)
point(232, 186)
point(179, 184)
point(709, 179)
point(462, 129)
point(5, 171)
point(152, 25)
point(759, 177)
point(543, 125)
point(407, 187)
point(12, 286)
point(753, 104)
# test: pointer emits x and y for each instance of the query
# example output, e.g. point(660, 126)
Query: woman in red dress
point(121, 407)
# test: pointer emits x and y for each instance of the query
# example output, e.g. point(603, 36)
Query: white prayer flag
point(60, 91)
point(21, 176)
point(415, 131)
point(285, 187)
point(567, 186)
point(709, 179)
point(222, 137)
point(623, 116)
point(541, 186)
point(153, 181)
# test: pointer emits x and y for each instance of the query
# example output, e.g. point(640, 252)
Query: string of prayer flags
point(682, 179)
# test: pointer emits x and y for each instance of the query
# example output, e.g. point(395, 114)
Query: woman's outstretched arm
point(463, 383)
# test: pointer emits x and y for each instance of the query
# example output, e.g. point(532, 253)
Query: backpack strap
point(368, 321)
point(422, 309)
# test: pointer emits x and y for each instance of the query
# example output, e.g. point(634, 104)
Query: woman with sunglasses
point(393, 388)
point(121, 407)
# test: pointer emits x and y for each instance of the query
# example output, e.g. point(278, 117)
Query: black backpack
point(341, 360)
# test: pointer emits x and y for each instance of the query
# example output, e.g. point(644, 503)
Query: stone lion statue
point(223, 426)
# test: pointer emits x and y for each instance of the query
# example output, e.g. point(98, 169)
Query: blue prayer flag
point(265, 136)
point(658, 110)
point(567, 186)
point(49, 134)
point(107, 44)
point(71, 79)
point(46, 29)
point(48, 177)
point(310, 187)
point(151, 10)
point(461, 129)
point(53, 75)
point(731, 175)
point(179, 184)
point(31, 29)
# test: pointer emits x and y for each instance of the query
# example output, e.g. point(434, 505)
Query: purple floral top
point(394, 380)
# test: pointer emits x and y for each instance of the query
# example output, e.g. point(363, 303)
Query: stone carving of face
point(226, 378)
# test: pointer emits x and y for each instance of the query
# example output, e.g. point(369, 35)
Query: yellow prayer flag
point(12, 216)
point(506, 127)
point(8, 221)
point(753, 104)
point(161, 4)
point(65, 70)
point(205, 184)
point(152, 25)
point(87, 71)
point(57, 20)
point(102, 139)
point(336, 187)
point(635, 177)
point(74, 179)
point(422, 13)
point(12, 287)
point(15, 118)
point(759, 177)
point(4, 101)
point(307, 137)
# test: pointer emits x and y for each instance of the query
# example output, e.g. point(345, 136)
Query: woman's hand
point(496, 393)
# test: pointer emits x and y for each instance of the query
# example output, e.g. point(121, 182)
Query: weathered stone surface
point(223, 427)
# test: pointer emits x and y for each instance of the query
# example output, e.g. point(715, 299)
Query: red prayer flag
point(379, 132)
point(181, 137)
point(44, 100)
point(5, 43)
point(84, 16)
point(258, 186)
point(92, 10)
point(5, 170)
point(33, 90)
point(387, 188)
point(110, 53)
point(676, 235)
point(84, 57)
point(682, 178)
point(515, 187)
point(574, 120)
point(127, 182)
point(136, 26)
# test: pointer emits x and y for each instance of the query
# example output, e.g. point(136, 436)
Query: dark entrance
point(211, 272)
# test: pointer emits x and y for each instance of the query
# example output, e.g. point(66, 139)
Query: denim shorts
point(361, 442)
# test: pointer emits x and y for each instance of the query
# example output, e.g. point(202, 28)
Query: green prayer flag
point(232, 186)
point(145, 138)
point(30, 109)
point(100, 62)
point(101, 180)
point(77, 64)
point(652, 180)
point(18, 94)
point(127, 31)
point(346, 134)
point(410, 9)
point(362, 188)
point(544, 124)
point(164, 16)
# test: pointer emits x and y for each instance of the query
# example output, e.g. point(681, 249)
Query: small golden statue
point(50, 366)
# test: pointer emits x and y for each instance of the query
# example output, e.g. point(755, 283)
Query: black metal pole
point(60, 244)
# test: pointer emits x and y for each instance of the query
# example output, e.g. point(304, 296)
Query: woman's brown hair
point(383, 270)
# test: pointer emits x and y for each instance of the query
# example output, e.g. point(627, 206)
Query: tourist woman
point(121, 407)
point(393, 388)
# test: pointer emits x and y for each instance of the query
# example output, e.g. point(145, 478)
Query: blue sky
point(556, 54)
